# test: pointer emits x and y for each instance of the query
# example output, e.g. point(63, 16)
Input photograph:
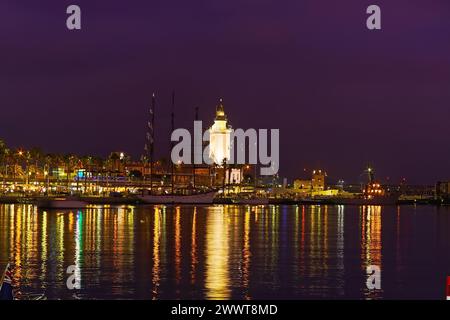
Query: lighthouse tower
point(220, 137)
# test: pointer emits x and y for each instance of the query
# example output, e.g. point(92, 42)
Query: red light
point(448, 287)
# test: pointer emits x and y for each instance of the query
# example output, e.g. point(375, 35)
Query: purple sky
point(340, 94)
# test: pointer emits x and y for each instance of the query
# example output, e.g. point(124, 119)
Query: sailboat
point(172, 198)
point(6, 287)
point(7, 291)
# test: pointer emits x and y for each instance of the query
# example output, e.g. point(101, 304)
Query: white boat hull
point(203, 198)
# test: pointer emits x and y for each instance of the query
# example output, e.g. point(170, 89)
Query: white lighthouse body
point(220, 137)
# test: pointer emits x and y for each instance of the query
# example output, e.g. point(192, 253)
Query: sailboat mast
point(149, 143)
point(193, 162)
point(173, 128)
point(152, 145)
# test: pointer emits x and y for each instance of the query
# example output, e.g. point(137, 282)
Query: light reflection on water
point(226, 252)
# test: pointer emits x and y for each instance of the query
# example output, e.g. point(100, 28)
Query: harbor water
point(227, 251)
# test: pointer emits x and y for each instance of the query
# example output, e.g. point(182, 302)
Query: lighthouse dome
point(220, 111)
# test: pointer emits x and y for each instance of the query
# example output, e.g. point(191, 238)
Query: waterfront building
point(442, 190)
point(302, 185)
point(316, 183)
point(318, 180)
point(234, 176)
point(116, 162)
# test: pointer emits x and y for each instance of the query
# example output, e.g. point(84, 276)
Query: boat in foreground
point(9, 292)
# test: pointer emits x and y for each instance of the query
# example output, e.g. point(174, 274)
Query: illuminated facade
point(234, 176)
point(220, 137)
point(318, 180)
point(302, 185)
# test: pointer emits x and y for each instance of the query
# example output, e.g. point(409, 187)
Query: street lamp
point(46, 180)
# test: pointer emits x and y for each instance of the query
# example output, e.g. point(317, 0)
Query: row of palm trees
point(20, 165)
point(16, 163)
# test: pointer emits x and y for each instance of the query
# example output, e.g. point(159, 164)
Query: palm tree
point(36, 157)
point(28, 156)
point(18, 156)
point(56, 161)
point(3, 149)
point(48, 160)
point(4, 152)
point(224, 164)
point(70, 160)
point(87, 163)
point(6, 161)
point(98, 166)
point(230, 169)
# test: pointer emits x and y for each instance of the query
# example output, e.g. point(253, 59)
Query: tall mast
point(173, 128)
point(193, 162)
point(152, 146)
point(149, 147)
point(256, 179)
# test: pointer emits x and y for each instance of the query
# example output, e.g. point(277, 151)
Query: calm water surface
point(228, 252)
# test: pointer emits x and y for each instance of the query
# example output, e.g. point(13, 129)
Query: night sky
point(341, 95)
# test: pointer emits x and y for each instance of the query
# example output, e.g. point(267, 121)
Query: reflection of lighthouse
point(220, 137)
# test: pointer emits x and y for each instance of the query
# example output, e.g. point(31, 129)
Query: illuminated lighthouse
point(220, 137)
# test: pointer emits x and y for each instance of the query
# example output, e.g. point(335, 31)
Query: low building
point(442, 190)
point(315, 184)
point(318, 180)
point(302, 185)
